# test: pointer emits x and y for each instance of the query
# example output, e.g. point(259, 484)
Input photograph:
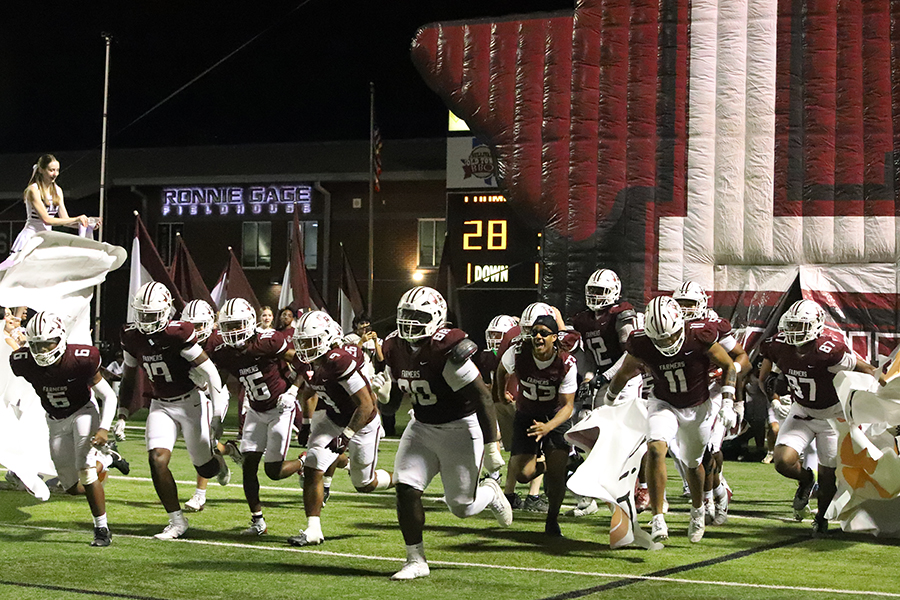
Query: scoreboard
point(490, 247)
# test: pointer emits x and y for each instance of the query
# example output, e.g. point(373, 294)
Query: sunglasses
point(541, 333)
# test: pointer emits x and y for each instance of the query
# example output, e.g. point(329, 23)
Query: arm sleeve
point(128, 359)
point(847, 363)
point(104, 391)
point(191, 352)
point(353, 384)
point(508, 360)
point(611, 372)
point(207, 373)
point(459, 376)
point(569, 384)
point(728, 342)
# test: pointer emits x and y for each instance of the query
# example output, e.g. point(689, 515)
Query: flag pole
point(103, 149)
point(371, 192)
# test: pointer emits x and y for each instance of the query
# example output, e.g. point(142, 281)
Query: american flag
point(376, 156)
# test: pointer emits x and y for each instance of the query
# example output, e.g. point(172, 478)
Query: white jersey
point(33, 224)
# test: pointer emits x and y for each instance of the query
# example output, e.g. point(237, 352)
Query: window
point(431, 242)
point(165, 240)
point(310, 232)
point(256, 249)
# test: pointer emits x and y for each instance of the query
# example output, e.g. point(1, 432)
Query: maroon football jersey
point(537, 394)
point(256, 364)
point(681, 380)
point(598, 330)
point(160, 355)
point(65, 386)
point(418, 372)
point(340, 364)
point(810, 381)
point(487, 361)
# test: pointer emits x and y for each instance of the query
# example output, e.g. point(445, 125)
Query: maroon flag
point(233, 283)
point(146, 266)
point(376, 156)
point(350, 300)
point(186, 276)
point(295, 288)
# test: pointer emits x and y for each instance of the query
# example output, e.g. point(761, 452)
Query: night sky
point(305, 78)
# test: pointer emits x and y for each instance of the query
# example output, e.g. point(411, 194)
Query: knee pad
point(208, 470)
point(87, 476)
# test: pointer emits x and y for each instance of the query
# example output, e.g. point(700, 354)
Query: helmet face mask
point(201, 316)
point(316, 333)
point(496, 329)
point(602, 289)
point(664, 325)
point(46, 338)
point(152, 307)
point(420, 313)
point(693, 300)
point(803, 322)
point(237, 322)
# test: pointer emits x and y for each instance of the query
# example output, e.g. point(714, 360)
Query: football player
point(604, 328)
point(809, 357)
point(255, 358)
point(201, 315)
point(694, 303)
point(453, 422)
point(63, 376)
point(544, 400)
point(487, 362)
point(350, 421)
point(678, 356)
point(173, 360)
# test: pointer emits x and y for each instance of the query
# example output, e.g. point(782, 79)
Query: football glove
point(303, 433)
point(727, 414)
point(119, 429)
point(781, 408)
point(287, 401)
point(339, 444)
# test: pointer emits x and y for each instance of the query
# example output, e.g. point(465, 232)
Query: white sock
point(314, 524)
point(176, 516)
point(383, 478)
point(721, 491)
point(416, 552)
point(326, 482)
point(697, 511)
point(708, 495)
point(100, 521)
point(200, 493)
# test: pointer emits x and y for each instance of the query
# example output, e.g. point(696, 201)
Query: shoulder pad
point(462, 351)
point(705, 332)
point(569, 340)
point(19, 355)
point(443, 340)
point(621, 308)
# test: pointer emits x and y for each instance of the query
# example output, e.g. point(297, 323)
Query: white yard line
point(483, 565)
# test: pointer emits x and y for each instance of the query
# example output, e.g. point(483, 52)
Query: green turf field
point(761, 553)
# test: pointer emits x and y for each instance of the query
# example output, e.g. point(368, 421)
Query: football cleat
point(641, 499)
point(586, 506)
point(819, 527)
point(257, 527)
point(721, 507)
point(233, 450)
point(195, 504)
point(102, 537)
point(709, 510)
point(659, 531)
point(224, 475)
point(306, 538)
point(535, 504)
point(413, 569)
point(515, 500)
point(801, 496)
point(499, 505)
point(697, 525)
point(173, 531)
point(118, 462)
